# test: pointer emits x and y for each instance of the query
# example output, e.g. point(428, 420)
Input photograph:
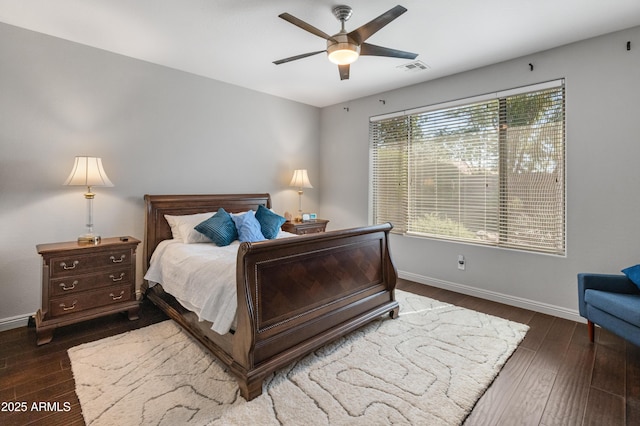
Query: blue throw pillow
point(248, 227)
point(270, 222)
point(633, 273)
point(219, 228)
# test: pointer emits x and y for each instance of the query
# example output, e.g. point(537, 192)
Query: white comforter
point(202, 277)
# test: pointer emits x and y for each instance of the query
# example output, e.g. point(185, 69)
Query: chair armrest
point(604, 282)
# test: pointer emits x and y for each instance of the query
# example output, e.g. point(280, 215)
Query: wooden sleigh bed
point(294, 294)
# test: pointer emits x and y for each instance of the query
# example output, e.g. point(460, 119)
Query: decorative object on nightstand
point(300, 180)
point(82, 282)
point(310, 227)
point(88, 171)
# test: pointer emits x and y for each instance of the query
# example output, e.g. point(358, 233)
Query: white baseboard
point(14, 322)
point(532, 305)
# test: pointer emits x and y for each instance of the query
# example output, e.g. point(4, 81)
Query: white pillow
point(182, 227)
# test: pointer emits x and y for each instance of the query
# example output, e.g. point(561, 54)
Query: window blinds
point(389, 164)
point(488, 171)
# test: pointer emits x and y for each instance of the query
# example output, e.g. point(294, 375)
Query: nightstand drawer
point(303, 228)
point(73, 284)
point(90, 299)
point(313, 230)
point(73, 265)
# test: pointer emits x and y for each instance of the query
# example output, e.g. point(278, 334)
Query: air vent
point(414, 66)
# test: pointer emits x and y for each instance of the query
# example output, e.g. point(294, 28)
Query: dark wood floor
point(555, 377)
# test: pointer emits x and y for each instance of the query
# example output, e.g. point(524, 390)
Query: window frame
point(553, 243)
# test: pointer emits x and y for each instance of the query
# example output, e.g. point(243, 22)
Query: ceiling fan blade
point(293, 58)
point(373, 50)
point(344, 72)
point(307, 27)
point(370, 28)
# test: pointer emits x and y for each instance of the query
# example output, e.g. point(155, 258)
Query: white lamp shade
point(88, 171)
point(344, 56)
point(300, 179)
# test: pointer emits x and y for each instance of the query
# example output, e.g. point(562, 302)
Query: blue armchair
point(612, 302)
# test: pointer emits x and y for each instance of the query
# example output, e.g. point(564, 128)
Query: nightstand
point(309, 227)
point(86, 281)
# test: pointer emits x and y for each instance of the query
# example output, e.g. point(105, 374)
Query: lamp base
point(89, 239)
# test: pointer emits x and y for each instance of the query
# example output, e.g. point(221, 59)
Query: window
point(487, 170)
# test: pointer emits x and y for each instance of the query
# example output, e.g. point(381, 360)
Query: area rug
point(428, 367)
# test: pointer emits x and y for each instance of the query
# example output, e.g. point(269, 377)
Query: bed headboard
point(157, 229)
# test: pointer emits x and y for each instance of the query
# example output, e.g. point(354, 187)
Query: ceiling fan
point(345, 47)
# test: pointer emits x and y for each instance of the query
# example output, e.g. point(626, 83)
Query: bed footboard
point(295, 295)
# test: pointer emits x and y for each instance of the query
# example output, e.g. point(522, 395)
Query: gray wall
point(158, 131)
point(603, 178)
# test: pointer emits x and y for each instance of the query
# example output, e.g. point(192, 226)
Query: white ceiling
point(235, 41)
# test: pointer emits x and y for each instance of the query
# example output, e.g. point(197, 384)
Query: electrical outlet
point(461, 262)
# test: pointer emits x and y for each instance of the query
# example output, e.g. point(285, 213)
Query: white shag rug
point(428, 367)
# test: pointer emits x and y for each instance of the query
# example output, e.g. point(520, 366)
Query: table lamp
point(300, 180)
point(88, 171)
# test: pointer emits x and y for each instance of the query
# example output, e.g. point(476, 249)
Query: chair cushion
point(633, 273)
point(624, 306)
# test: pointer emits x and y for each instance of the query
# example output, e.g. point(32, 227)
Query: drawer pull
point(64, 265)
point(64, 287)
point(114, 297)
point(114, 279)
point(114, 260)
point(68, 308)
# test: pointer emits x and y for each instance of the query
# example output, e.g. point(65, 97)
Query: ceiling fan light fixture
point(343, 53)
point(344, 48)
